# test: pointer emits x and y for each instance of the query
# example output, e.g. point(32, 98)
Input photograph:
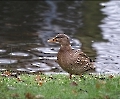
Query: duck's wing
point(82, 61)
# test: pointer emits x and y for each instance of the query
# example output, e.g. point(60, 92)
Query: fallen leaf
point(111, 76)
point(6, 73)
point(15, 95)
point(29, 96)
point(74, 92)
point(74, 83)
point(100, 83)
point(18, 79)
point(40, 83)
point(107, 97)
point(37, 78)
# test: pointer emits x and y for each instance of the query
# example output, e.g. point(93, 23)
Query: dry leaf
point(40, 83)
point(6, 73)
point(74, 92)
point(29, 96)
point(15, 95)
point(111, 76)
point(38, 78)
point(107, 97)
point(74, 83)
point(100, 83)
point(19, 79)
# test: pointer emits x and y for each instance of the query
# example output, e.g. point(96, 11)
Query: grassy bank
point(59, 87)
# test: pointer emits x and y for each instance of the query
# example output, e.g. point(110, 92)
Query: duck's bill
point(52, 40)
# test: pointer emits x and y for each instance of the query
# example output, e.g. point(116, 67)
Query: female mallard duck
point(72, 61)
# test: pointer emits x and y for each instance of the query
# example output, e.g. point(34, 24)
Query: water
point(108, 52)
point(25, 28)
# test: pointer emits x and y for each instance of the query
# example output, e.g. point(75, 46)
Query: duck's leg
point(82, 76)
point(70, 76)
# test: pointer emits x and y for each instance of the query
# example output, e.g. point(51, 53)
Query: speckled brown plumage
point(72, 61)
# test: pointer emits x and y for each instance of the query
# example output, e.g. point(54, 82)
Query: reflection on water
point(109, 52)
point(26, 26)
point(7, 61)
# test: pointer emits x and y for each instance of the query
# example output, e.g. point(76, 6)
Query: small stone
point(39, 97)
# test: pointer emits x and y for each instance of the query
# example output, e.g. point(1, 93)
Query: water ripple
point(108, 59)
point(2, 50)
point(7, 61)
point(19, 54)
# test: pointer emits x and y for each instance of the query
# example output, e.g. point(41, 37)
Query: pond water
point(108, 59)
point(26, 26)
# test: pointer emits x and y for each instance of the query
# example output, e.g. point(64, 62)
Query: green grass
point(60, 87)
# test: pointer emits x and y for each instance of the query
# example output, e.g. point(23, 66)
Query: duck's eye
point(56, 40)
point(58, 37)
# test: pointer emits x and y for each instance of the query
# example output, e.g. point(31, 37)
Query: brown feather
point(72, 61)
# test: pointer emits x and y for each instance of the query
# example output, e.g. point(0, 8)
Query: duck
point(73, 61)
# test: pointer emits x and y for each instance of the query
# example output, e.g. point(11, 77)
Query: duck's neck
point(65, 48)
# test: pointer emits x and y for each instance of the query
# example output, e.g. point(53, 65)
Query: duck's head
point(62, 39)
